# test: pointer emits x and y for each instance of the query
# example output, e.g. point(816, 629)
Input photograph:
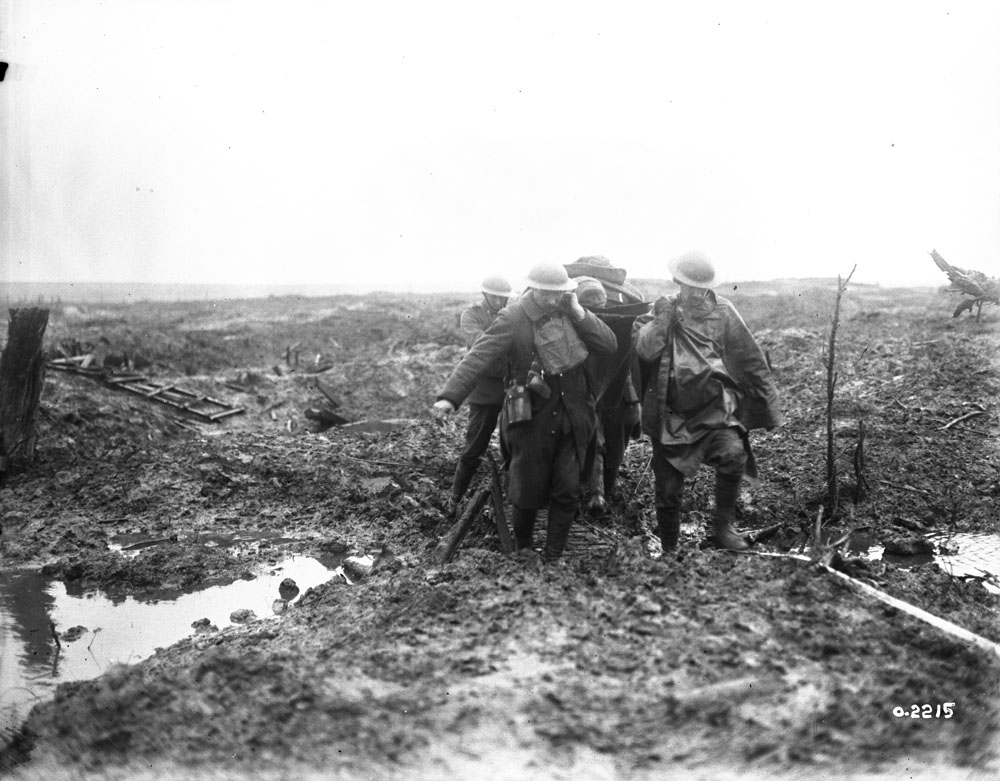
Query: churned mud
point(614, 662)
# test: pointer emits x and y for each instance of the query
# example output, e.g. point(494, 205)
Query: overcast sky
point(426, 144)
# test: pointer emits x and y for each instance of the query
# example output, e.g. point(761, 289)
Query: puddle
point(124, 631)
point(956, 554)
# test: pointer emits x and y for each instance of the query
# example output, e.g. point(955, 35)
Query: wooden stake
point(503, 530)
point(449, 543)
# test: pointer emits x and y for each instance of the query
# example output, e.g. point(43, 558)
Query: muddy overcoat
point(573, 394)
point(746, 374)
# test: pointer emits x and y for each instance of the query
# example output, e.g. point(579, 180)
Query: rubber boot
point(524, 527)
point(727, 491)
point(560, 520)
point(670, 528)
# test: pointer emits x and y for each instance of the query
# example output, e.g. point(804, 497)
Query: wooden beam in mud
point(449, 543)
point(954, 630)
point(941, 624)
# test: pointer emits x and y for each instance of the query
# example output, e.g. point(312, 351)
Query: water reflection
point(33, 608)
point(960, 555)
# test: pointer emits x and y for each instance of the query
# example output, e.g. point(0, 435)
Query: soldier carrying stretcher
point(708, 385)
point(546, 329)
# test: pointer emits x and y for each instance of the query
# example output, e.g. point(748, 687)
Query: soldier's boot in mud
point(727, 491)
point(670, 528)
point(598, 505)
point(463, 476)
point(560, 520)
point(524, 527)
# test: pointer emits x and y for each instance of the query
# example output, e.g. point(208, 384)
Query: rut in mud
point(609, 659)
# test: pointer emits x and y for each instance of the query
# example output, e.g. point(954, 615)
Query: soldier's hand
point(662, 306)
point(571, 304)
point(442, 409)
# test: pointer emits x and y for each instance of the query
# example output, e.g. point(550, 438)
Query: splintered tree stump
point(22, 371)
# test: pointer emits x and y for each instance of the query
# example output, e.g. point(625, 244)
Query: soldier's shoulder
point(724, 303)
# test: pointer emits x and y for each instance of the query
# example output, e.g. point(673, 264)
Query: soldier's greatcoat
point(569, 408)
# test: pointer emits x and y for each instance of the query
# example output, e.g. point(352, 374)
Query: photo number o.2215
point(945, 711)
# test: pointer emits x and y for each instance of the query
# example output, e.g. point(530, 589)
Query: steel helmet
point(550, 276)
point(496, 286)
point(693, 268)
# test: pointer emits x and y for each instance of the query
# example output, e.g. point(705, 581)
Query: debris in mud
point(242, 616)
point(288, 589)
point(908, 546)
point(73, 633)
point(358, 567)
point(325, 417)
point(981, 288)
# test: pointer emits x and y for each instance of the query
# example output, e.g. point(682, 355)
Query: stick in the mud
point(966, 416)
point(449, 543)
point(503, 530)
point(831, 384)
point(860, 481)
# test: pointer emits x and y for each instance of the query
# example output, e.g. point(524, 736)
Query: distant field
point(21, 293)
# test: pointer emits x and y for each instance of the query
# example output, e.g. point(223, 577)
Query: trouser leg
point(524, 527)
point(615, 442)
point(564, 496)
point(482, 421)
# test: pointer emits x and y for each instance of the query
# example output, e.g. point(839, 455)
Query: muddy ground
point(612, 663)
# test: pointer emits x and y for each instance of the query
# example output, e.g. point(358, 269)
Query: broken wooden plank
point(324, 415)
point(323, 388)
point(445, 549)
point(942, 625)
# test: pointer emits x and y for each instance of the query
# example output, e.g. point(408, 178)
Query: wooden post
point(503, 530)
point(22, 372)
point(449, 543)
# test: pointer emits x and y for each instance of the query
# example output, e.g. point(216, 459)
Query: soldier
point(486, 399)
point(709, 385)
point(548, 329)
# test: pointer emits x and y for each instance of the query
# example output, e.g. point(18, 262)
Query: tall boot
point(670, 527)
point(598, 505)
point(463, 476)
point(524, 527)
point(560, 520)
point(727, 491)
